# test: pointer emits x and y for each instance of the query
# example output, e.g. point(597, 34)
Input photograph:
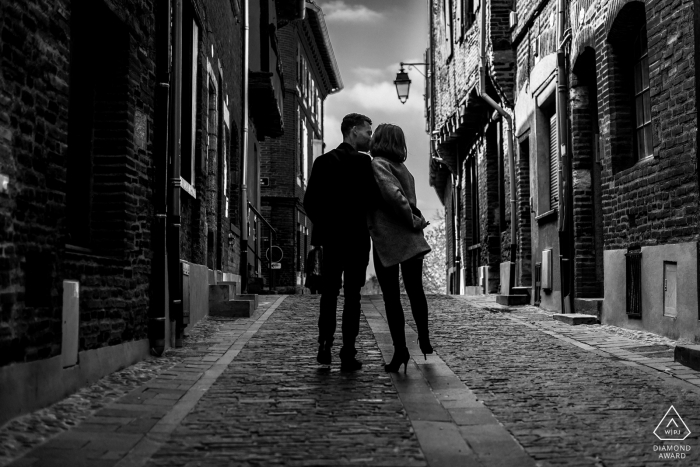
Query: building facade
point(122, 193)
point(603, 103)
point(311, 74)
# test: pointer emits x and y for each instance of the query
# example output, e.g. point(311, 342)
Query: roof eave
point(318, 26)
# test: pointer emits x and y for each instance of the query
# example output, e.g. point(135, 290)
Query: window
point(642, 100)
point(501, 176)
point(464, 17)
point(318, 108)
point(225, 156)
point(299, 58)
point(189, 95)
point(468, 15)
point(304, 166)
point(447, 16)
point(300, 260)
point(553, 163)
point(317, 145)
point(100, 89)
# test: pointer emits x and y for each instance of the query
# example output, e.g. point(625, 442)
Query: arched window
point(642, 100)
point(625, 84)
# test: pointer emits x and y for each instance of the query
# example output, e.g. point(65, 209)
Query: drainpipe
point(565, 235)
point(511, 156)
point(244, 153)
point(173, 237)
point(156, 325)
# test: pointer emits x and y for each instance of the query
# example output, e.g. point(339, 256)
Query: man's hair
point(388, 141)
point(352, 120)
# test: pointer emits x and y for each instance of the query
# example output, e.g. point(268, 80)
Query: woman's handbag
point(313, 268)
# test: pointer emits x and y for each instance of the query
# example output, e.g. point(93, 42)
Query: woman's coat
point(395, 223)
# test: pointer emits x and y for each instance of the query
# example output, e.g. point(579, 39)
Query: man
point(336, 202)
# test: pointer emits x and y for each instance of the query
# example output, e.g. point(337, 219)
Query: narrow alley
point(507, 387)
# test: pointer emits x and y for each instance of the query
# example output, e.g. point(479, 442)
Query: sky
point(370, 38)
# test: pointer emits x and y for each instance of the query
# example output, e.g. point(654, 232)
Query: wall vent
point(670, 289)
point(71, 323)
point(546, 274)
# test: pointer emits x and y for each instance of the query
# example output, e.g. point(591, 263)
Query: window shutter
point(553, 163)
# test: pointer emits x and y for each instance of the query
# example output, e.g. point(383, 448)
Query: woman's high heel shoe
point(425, 347)
point(401, 357)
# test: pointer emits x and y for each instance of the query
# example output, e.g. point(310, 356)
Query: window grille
point(538, 283)
point(633, 262)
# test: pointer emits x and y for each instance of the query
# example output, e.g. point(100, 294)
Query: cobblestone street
point(508, 387)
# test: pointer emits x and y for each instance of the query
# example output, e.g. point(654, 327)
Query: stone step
point(249, 296)
point(235, 285)
point(575, 318)
point(512, 300)
point(520, 290)
point(589, 306)
point(473, 290)
point(220, 293)
point(688, 355)
point(232, 309)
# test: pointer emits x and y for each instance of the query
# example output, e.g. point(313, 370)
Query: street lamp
point(403, 82)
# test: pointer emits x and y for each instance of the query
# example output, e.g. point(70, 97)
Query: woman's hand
point(419, 223)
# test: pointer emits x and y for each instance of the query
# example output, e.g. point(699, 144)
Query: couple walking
point(351, 197)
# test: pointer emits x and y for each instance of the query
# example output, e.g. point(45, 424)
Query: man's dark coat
point(337, 196)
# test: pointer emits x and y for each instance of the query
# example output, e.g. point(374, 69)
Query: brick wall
point(455, 75)
point(524, 231)
point(487, 158)
point(280, 157)
point(205, 227)
point(449, 232)
point(587, 214)
point(112, 262)
point(652, 201)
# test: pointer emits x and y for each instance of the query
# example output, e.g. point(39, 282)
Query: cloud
point(367, 74)
point(380, 96)
point(341, 12)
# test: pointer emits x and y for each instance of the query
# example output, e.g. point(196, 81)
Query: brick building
point(602, 95)
point(310, 75)
point(469, 156)
point(121, 155)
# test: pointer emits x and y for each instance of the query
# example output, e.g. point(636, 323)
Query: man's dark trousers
point(336, 201)
point(344, 265)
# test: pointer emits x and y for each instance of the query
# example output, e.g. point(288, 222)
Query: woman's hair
point(389, 142)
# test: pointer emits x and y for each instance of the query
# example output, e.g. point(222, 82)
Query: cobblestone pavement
point(104, 408)
point(275, 406)
point(23, 433)
point(249, 392)
point(566, 401)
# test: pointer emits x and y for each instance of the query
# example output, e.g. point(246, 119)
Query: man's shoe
point(350, 364)
point(324, 354)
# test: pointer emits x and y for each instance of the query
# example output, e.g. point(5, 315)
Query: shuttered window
point(553, 164)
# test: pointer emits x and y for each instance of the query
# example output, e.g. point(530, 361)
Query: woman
point(396, 226)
